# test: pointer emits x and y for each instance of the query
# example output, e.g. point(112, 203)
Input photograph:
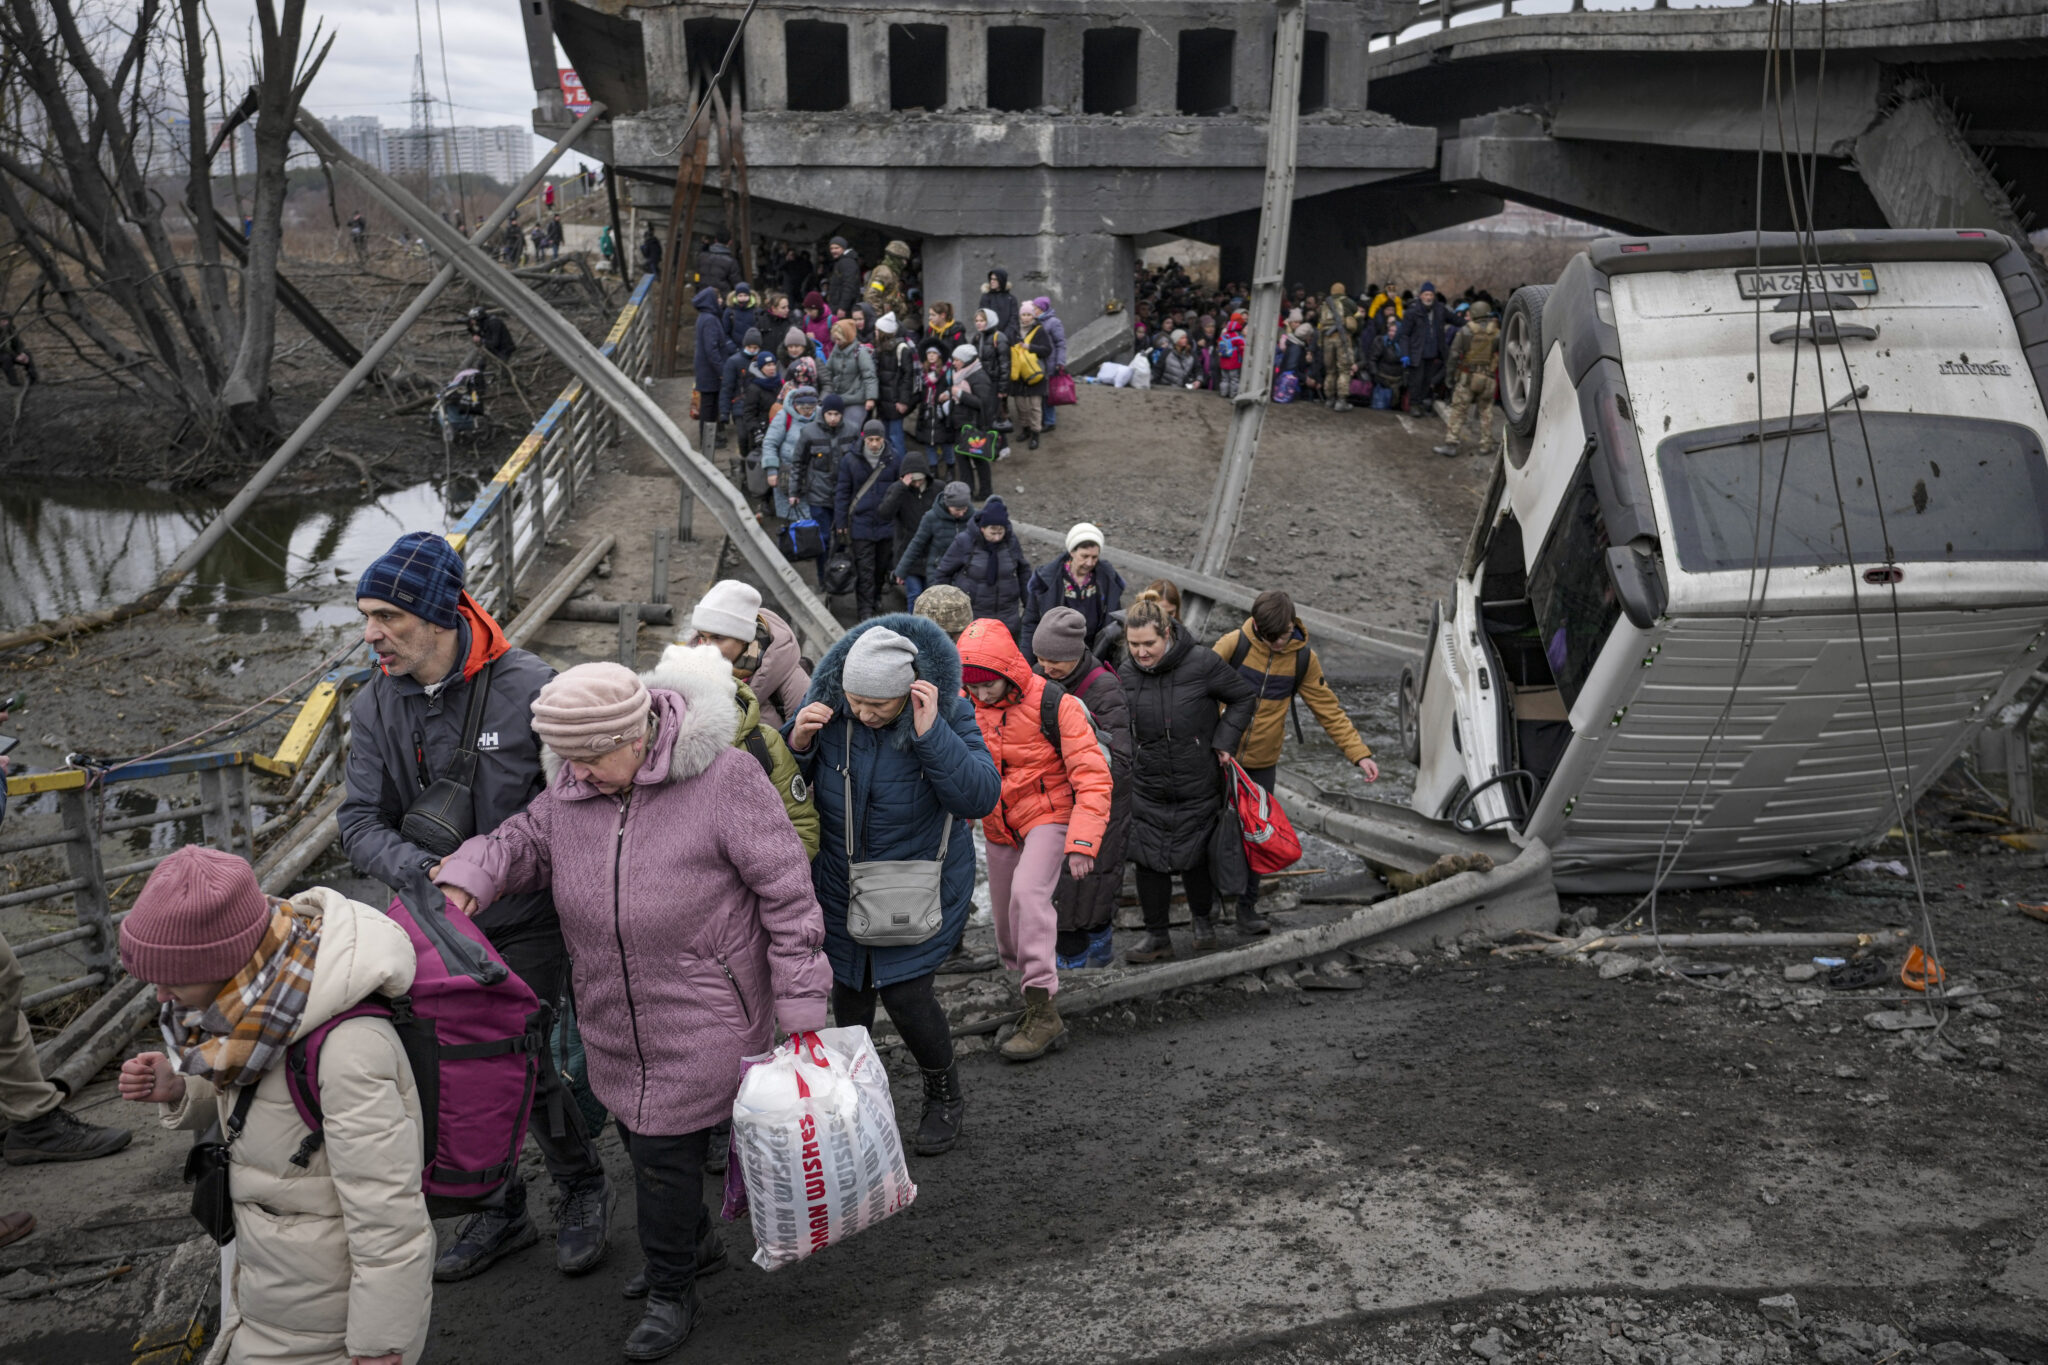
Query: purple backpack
point(475, 1052)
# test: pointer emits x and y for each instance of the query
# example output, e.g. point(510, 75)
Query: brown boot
point(1038, 1032)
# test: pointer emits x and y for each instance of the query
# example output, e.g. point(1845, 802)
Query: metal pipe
point(116, 998)
point(541, 608)
point(1762, 940)
point(111, 1039)
point(639, 410)
point(1295, 945)
point(302, 844)
point(57, 940)
point(1390, 642)
point(34, 841)
point(72, 987)
point(37, 893)
point(1269, 265)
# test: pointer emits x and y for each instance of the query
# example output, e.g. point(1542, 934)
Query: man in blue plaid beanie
point(434, 646)
point(422, 574)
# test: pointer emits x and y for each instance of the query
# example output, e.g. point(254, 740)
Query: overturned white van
point(1748, 485)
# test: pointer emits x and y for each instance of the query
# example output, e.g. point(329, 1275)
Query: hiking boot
point(483, 1238)
point(1157, 947)
point(1448, 448)
point(583, 1219)
point(664, 1325)
point(1038, 1032)
point(1250, 923)
point(1032, 444)
point(57, 1136)
point(1205, 935)
point(1101, 947)
point(710, 1260)
point(945, 1106)
point(720, 1150)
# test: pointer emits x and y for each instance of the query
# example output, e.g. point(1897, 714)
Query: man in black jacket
point(1422, 339)
point(717, 266)
point(842, 280)
point(435, 646)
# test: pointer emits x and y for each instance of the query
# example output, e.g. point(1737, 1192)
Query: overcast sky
point(370, 69)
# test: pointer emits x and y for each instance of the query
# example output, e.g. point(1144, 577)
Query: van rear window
point(1951, 489)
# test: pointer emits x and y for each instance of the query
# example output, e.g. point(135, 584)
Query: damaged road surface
point(1474, 1156)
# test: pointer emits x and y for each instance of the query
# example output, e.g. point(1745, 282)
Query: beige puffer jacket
point(337, 1259)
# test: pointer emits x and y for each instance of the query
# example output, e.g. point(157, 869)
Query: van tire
point(1522, 345)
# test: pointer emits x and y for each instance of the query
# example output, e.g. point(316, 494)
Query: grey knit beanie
point(881, 665)
point(1062, 635)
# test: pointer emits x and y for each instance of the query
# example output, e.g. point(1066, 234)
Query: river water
point(78, 546)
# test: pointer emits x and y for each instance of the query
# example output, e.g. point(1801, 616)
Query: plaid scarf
point(245, 1031)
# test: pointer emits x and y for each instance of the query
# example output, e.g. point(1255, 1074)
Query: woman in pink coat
point(686, 903)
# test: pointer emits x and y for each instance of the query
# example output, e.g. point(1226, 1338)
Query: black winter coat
point(929, 543)
point(818, 452)
point(1004, 306)
point(896, 379)
point(979, 407)
point(992, 576)
point(905, 507)
point(1090, 903)
point(993, 349)
point(842, 284)
point(1176, 734)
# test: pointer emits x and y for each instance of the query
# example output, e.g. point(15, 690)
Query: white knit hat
point(1082, 533)
point(729, 609)
point(886, 324)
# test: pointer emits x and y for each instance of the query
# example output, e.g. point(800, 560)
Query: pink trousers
point(1020, 886)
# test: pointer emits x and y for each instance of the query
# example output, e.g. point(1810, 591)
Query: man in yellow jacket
point(1271, 651)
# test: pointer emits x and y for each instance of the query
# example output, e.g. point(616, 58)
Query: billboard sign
point(574, 97)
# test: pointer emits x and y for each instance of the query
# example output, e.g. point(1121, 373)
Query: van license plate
point(1833, 279)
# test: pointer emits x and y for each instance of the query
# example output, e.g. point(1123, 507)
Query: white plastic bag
point(1141, 372)
point(816, 1135)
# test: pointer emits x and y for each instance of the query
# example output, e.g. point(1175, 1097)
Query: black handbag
point(1227, 867)
point(837, 580)
point(206, 1171)
point(443, 816)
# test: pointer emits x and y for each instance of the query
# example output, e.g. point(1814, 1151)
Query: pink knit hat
point(198, 919)
point(590, 710)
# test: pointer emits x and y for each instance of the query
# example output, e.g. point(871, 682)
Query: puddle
point(78, 546)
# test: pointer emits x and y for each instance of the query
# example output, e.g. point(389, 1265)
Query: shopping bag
point(1060, 392)
point(1286, 387)
point(815, 1133)
point(1270, 842)
point(975, 443)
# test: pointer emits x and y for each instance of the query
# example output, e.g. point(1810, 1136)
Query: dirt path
point(1347, 511)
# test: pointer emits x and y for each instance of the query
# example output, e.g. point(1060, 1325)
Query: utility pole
point(1276, 217)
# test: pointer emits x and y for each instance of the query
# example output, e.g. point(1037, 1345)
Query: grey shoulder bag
point(892, 904)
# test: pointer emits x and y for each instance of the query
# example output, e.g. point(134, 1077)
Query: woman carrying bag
point(898, 767)
point(1180, 743)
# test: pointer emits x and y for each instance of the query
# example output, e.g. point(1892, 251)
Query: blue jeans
point(823, 516)
point(893, 427)
point(913, 585)
point(1382, 397)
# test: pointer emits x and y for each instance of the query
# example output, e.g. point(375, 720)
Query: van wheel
point(1409, 712)
point(1521, 358)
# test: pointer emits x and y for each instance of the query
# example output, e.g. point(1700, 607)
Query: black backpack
point(1049, 720)
point(1301, 661)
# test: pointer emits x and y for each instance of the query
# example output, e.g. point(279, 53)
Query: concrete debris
point(1892, 1021)
point(1801, 971)
point(1983, 1009)
point(1614, 966)
point(1490, 1346)
point(1782, 1309)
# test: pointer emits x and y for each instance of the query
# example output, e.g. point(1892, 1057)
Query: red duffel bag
point(1270, 842)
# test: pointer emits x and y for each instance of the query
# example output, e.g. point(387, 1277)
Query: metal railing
point(1433, 16)
point(501, 538)
point(97, 875)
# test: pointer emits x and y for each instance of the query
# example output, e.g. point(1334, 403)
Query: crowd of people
point(1385, 348)
point(1081, 735)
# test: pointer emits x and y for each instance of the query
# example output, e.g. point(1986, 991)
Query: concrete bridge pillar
point(1079, 273)
point(867, 64)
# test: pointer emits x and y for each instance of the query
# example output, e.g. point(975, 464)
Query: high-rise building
point(502, 153)
point(360, 135)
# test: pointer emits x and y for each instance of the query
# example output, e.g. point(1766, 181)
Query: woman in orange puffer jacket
point(1053, 813)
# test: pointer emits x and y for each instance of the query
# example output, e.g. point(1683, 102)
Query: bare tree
point(75, 188)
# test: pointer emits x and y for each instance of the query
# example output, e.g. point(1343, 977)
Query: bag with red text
point(814, 1133)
